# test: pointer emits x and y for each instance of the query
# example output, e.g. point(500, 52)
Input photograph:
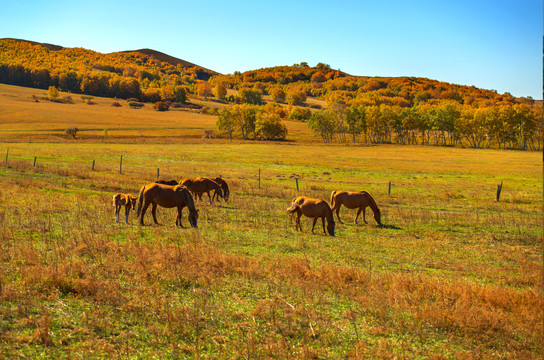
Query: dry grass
point(452, 275)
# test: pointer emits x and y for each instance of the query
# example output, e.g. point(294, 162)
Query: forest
point(358, 109)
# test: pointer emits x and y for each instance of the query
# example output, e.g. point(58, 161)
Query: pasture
point(452, 274)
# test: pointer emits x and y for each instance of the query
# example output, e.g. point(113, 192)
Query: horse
point(167, 196)
point(312, 208)
point(224, 188)
point(354, 200)
point(166, 182)
point(201, 185)
point(126, 200)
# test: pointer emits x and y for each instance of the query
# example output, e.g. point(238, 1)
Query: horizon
point(487, 44)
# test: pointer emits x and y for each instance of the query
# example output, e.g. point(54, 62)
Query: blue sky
point(490, 44)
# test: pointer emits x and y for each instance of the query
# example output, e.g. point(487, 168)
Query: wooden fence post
point(121, 165)
point(389, 191)
point(92, 169)
point(158, 172)
point(7, 153)
point(35, 157)
point(296, 181)
point(259, 178)
point(499, 189)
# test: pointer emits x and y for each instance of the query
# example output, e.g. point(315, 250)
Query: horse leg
point(117, 208)
point(362, 208)
point(178, 219)
point(337, 207)
point(297, 225)
point(127, 211)
point(154, 212)
point(313, 225)
point(324, 231)
point(209, 197)
point(144, 209)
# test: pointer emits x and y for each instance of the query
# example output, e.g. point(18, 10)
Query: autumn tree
point(277, 95)
point(53, 93)
point(269, 126)
point(204, 89)
point(355, 120)
point(227, 120)
point(220, 91)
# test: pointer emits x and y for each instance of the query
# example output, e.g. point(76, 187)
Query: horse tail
point(189, 200)
point(333, 198)
point(140, 200)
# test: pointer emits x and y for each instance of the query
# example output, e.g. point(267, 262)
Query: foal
point(126, 200)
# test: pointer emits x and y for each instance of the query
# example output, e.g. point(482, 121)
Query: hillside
point(338, 107)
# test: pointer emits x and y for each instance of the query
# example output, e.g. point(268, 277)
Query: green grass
point(452, 274)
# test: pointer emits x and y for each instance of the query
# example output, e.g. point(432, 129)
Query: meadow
point(453, 274)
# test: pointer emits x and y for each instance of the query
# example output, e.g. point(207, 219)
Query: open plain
point(451, 274)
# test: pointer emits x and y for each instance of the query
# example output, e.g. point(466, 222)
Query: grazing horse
point(312, 208)
point(354, 200)
point(224, 188)
point(166, 182)
point(167, 196)
point(201, 185)
point(126, 200)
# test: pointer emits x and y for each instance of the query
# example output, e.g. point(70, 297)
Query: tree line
point(506, 126)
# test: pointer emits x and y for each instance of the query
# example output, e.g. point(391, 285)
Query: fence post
point(93, 166)
point(389, 191)
point(34, 161)
point(499, 189)
point(121, 165)
point(158, 172)
point(259, 178)
point(296, 181)
point(7, 153)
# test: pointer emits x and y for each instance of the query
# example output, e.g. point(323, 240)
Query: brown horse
point(312, 208)
point(166, 182)
point(354, 200)
point(126, 200)
point(167, 196)
point(224, 188)
point(201, 185)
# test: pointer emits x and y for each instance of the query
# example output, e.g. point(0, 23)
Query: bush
point(115, 104)
point(72, 131)
point(161, 106)
point(301, 114)
point(136, 105)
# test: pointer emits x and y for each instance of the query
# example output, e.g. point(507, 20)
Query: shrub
point(136, 105)
point(301, 114)
point(72, 131)
point(115, 104)
point(161, 106)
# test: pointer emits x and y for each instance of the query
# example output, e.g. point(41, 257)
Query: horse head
point(330, 226)
point(377, 217)
point(193, 218)
point(294, 206)
point(133, 201)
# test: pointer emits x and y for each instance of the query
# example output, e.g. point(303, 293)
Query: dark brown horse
point(224, 188)
point(201, 185)
point(354, 200)
point(166, 182)
point(126, 200)
point(167, 196)
point(312, 208)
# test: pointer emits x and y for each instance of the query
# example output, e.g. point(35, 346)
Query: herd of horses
point(174, 194)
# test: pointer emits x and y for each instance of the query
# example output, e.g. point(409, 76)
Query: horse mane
point(188, 197)
point(371, 202)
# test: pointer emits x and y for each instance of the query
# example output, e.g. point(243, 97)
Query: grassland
point(453, 274)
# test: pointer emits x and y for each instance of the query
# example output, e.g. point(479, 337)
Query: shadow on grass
point(390, 227)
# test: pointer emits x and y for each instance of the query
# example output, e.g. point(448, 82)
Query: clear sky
point(492, 44)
